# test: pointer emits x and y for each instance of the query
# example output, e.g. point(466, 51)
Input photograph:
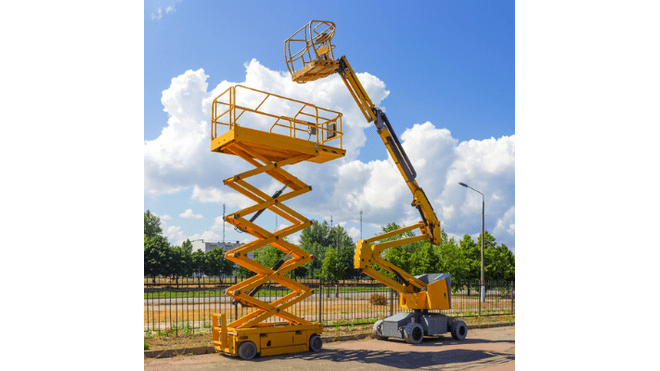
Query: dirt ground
point(491, 349)
point(205, 339)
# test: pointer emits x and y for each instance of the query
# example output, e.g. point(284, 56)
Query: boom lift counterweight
point(309, 56)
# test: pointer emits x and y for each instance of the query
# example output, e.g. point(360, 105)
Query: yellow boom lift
point(309, 56)
point(270, 132)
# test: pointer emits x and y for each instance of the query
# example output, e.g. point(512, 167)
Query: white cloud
point(354, 233)
point(188, 214)
point(157, 15)
point(208, 236)
point(506, 224)
point(221, 195)
point(295, 239)
point(174, 235)
point(180, 159)
point(165, 217)
point(156, 8)
point(218, 224)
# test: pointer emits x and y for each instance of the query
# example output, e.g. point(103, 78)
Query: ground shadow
point(409, 359)
point(436, 341)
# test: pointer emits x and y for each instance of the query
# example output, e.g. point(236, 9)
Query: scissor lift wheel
point(247, 350)
point(315, 343)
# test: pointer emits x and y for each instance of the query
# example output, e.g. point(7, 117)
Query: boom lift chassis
point(300, 136)
point(309, 56)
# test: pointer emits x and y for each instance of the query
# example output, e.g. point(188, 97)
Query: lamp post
point(482, 283)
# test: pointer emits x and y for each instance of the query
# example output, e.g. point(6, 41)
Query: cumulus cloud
point(174, 234)
point(180, 159)
point(208, 236)
point(218, 224)
point(354, 233)
point(506, 225)
point(188, 214)
point(156, 8)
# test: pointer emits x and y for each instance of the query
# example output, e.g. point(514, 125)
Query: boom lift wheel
point(315, 343)
point(377, 330)
point(459, 330)
point(413, 333)
point(247, 350)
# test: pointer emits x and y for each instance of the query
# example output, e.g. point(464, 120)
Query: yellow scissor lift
point(269, 132)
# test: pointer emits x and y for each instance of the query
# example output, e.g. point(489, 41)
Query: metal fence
point(185, 305)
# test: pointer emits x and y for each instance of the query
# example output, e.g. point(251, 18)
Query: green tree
point(187, 245)
point(489, 241)
point(151, 225)
point(317, 232)
point(500, 264)
point(332, 269)
point(157, 257)
point(182, 263)
point(198, 264)
point(268, 255)
point(319, 238)
point(453, 260)
point(424, 260)
point(472, 253)
point(313, 268)
point(216, 264)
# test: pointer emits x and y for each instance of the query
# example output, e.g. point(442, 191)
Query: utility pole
point(360, 224)
point(482, 283)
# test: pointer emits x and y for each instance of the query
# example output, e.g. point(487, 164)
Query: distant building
point(207, 246)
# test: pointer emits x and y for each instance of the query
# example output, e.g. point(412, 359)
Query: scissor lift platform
point(270, 132)
point(274, 147)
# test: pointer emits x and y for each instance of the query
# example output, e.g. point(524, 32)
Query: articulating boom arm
point(317, 60)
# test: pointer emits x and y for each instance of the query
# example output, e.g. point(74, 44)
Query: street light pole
point(482, 295)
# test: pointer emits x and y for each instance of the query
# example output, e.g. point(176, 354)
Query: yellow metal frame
point(245, 107)
point(268, 152)
point(308, 52)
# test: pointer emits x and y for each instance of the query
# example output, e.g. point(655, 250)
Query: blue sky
point(447, 67)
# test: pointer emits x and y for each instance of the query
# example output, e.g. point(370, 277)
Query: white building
point(207, 246)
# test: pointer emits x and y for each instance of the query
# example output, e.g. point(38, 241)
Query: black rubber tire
point(459, 330)
point(315, 343)
point(247, 350)
point(377, 330)
point(413, 333)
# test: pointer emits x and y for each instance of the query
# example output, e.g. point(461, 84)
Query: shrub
point(378, 299)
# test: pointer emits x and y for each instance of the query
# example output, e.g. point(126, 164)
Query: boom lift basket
point(270, 132)
point(308, 52)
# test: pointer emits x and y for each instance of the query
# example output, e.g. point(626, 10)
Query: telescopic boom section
point(314, 60)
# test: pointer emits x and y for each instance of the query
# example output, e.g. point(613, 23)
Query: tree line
point(333, 250)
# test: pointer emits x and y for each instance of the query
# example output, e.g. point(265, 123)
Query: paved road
point(484, 349)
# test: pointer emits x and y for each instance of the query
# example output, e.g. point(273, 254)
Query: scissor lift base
point(268, 338)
